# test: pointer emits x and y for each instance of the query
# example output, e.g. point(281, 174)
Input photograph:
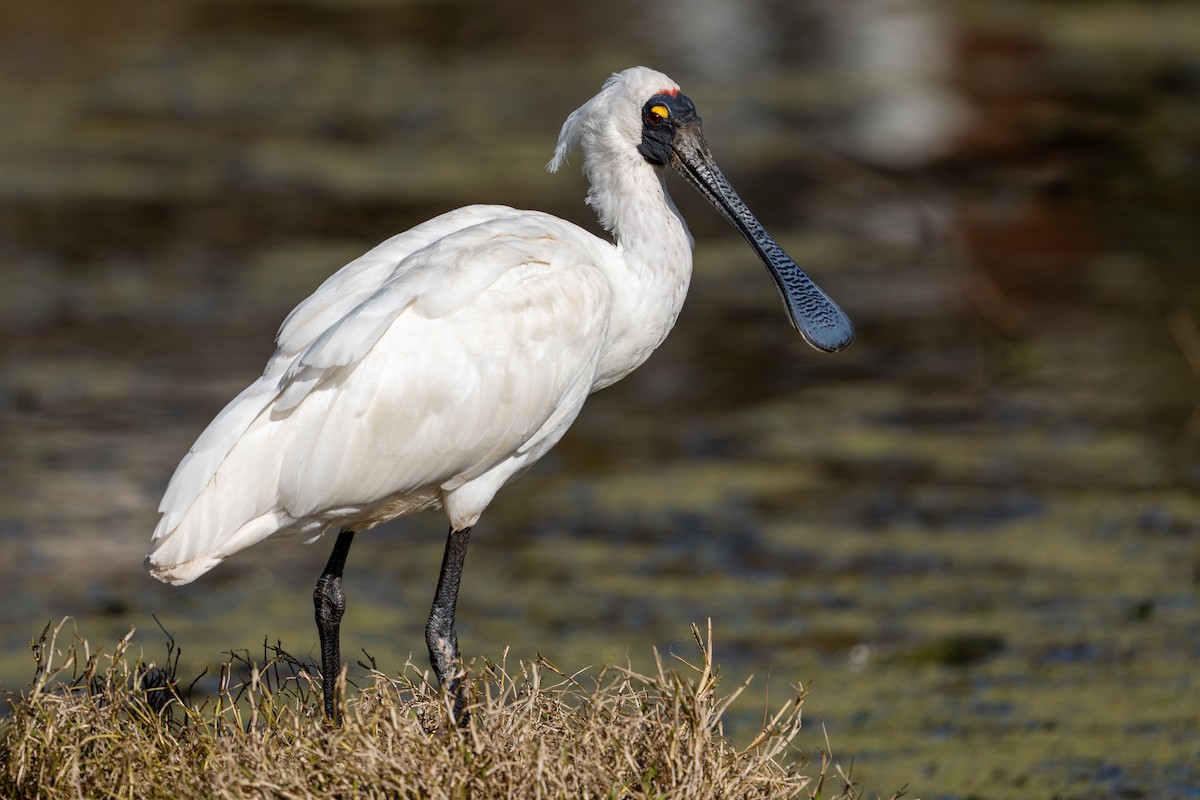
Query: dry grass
point(114, 726)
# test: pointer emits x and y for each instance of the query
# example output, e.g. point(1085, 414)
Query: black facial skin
point(658, 134)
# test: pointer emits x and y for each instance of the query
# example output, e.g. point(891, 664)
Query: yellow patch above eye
point(661, 111)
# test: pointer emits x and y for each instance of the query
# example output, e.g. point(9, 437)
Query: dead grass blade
point(115, 726)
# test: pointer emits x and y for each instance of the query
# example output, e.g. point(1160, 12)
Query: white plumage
point(442, 363)
point(433, 368)
point(426, 373)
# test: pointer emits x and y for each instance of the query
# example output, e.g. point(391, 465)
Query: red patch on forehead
point(671, 92)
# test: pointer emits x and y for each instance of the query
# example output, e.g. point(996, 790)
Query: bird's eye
point(656, 114)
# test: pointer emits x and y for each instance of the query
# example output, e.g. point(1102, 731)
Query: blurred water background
point(973, 536)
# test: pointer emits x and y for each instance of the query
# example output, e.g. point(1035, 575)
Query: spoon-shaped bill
point(813, 313)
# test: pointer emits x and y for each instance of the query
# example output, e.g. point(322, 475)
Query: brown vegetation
point(115, 726)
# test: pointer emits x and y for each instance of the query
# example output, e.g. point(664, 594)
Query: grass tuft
point(116, 727)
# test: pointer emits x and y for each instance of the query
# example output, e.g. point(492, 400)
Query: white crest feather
point(568, 140)
point(633, 86)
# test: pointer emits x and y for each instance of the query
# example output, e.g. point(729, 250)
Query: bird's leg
point(330, 605)
point(439, 631)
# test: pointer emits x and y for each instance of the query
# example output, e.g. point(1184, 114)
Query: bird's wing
point(464, 356)
point(436, 280)
point(362, 277)
point(335, 299)
point(441, 398)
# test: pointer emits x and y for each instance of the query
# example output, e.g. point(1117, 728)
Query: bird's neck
point(630, 198)
point(655, 248)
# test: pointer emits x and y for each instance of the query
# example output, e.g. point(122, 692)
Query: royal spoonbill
point(444, 362)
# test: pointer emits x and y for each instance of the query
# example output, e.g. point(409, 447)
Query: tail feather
point(198, 468)
point(219, 500)
point(174, 558)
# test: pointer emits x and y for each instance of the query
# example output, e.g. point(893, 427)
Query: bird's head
point(612, 125)
point(641, 119)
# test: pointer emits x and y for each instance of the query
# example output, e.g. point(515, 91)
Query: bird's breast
point(646, 306)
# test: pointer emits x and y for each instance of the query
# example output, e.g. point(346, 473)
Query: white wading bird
point(435, 368)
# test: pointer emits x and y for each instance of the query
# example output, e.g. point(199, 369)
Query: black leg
point(439, 631)
point(330, 604)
